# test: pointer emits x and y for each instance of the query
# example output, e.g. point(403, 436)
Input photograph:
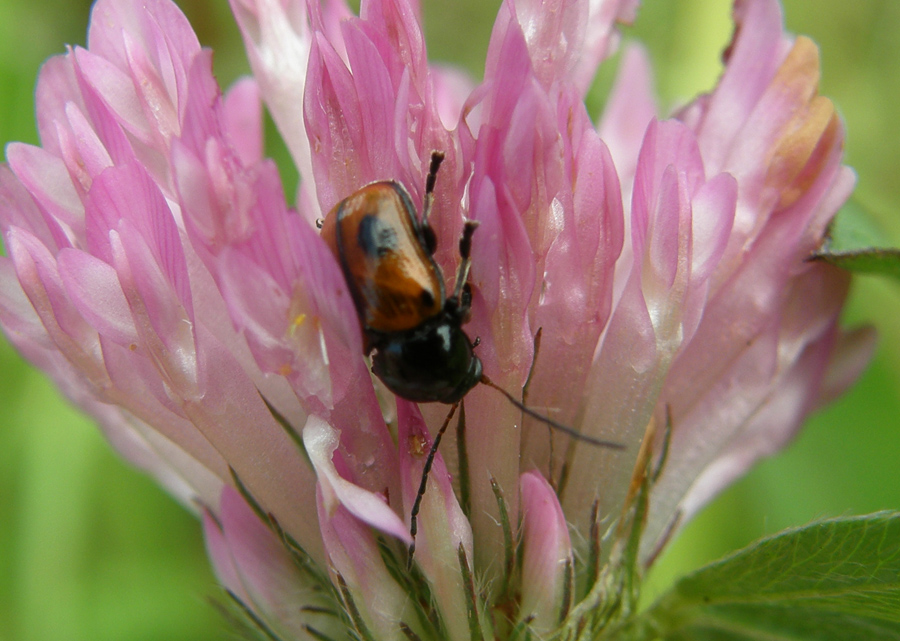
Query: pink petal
point(852, 354)
point(555, 32)
point(767, 430)
point(219, 553)
point(258, 567)
point(321, 441)
point(501, 254)
point(375, 88)
point(442, 526)
point(705, 423)
point(164, 328)
point(277, 39)
point(752, 60)
point(158, 26)
point(712, 216)
point(398, 22)
point(83, 151)
point(577, 284)
point(339, 162)
point(38, 273)
point(126, 196)
point(547, 561)
point(743, 307)
point(178, 472)
point(265, 458)
point(46, 178)
point(21, 324)
point(116, 90)
point(18, 209)
point(500, 264)
point(159, 95)
point(619, 403)
point(94, 289)
point(57, 86)
point(601, 37)
point(138, 388)
point(204, 110)
point(244, 120)
point(451, 88)
point(354, 556)
point(629, 110)
point(667, 239)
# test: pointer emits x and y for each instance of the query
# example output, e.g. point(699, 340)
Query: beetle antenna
point(417, 504)
point(565, 429)
point(437, 157)
point(465, 252)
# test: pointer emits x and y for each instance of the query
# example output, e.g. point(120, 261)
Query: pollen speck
point(418, 445)
point(299, 319)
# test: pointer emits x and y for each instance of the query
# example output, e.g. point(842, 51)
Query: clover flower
point(643, 281)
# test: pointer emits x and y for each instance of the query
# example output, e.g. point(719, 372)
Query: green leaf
point(865, 261)
point(854, 244)
point(836, 580)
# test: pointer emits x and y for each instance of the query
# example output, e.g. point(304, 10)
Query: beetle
point(412, 329)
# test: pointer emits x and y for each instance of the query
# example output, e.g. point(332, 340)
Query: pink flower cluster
point(156, 273)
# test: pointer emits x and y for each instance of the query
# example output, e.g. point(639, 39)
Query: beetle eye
point(426, 298)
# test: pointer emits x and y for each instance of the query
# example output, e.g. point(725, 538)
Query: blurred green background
point(90, 549)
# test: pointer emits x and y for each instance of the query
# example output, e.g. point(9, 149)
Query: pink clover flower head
point(643, 281)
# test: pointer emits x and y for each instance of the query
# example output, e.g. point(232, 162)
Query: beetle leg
point(423, 483)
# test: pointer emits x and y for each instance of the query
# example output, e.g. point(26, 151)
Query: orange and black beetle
point(411, 328)
point(420, 351)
